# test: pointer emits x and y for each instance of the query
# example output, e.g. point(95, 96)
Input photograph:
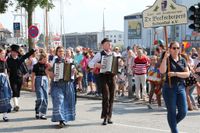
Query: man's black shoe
point(37, 116)
point(5, 119)
point(16, 108)
point(43, 117)
point(104, 122)
point(109, 121)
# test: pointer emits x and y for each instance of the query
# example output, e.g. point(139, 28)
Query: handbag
point(23, 68)
point(191, 80)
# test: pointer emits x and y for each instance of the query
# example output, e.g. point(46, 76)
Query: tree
point(3, 5)
point(30, 6)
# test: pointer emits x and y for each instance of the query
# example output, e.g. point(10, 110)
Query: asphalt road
point(128, 117)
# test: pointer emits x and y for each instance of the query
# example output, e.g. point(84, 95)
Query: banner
point(134, 29)
point(163, 13)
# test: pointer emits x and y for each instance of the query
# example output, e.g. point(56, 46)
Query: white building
point(117, 37)
point(135, 34)
point(92, 39)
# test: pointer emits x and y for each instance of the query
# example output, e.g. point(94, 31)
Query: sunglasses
point(174, 48)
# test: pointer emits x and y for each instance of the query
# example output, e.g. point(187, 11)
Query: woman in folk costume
point(16, 71)
point(62, 92)
point(40, 86)
point(5, 90)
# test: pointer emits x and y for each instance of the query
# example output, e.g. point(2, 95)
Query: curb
point(126, 100)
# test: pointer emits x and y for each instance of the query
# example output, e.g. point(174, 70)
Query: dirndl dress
point(5, 94)
point(63, 99)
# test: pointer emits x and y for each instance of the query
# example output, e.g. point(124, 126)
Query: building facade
point(116, 37)
point(73, 40)
point(4, 35)
point(92, 39)
point(134, 33)
point(183, 32)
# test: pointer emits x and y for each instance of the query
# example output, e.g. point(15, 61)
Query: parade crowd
point(170, 73)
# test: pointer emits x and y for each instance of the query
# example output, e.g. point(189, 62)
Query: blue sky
point(83, 15)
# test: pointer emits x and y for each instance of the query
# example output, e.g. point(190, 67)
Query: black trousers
point(108, 88)
point(16, 85)
point(98, 83)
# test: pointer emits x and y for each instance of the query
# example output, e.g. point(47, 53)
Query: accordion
point(109, 64)
point(62, 71)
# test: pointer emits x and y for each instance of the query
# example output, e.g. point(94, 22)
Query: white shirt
point(96, 59)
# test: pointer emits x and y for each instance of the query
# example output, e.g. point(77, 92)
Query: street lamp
point(103, 24)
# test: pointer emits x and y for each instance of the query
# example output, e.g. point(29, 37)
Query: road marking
point(132, 126)
point(146, 128)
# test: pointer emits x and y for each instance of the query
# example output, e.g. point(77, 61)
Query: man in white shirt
point(107, 82)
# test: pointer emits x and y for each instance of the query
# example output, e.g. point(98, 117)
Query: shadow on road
point(22, 110)
point(85, 124)
point(20, 129)
point(193, 113)
point(25, 119)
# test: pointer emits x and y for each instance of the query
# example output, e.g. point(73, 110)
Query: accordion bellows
point(62, 72)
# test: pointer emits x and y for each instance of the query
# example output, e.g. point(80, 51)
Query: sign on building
point(134, 29)
point(16, 28)
point(163, 13)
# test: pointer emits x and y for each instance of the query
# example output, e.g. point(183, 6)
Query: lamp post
point(46, 29)
point(61, 20)
point(103, 24)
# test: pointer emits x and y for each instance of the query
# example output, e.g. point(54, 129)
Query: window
point(120, 36)
point(114, 41)
point(177, 34)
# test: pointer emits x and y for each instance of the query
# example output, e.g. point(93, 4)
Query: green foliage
point(47, 3)
point(30, 5)
point(3, 5)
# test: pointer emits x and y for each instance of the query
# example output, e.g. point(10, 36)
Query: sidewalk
point(123, 99)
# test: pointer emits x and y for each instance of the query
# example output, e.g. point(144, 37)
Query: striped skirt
point(41, 89)
point(63, 99)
